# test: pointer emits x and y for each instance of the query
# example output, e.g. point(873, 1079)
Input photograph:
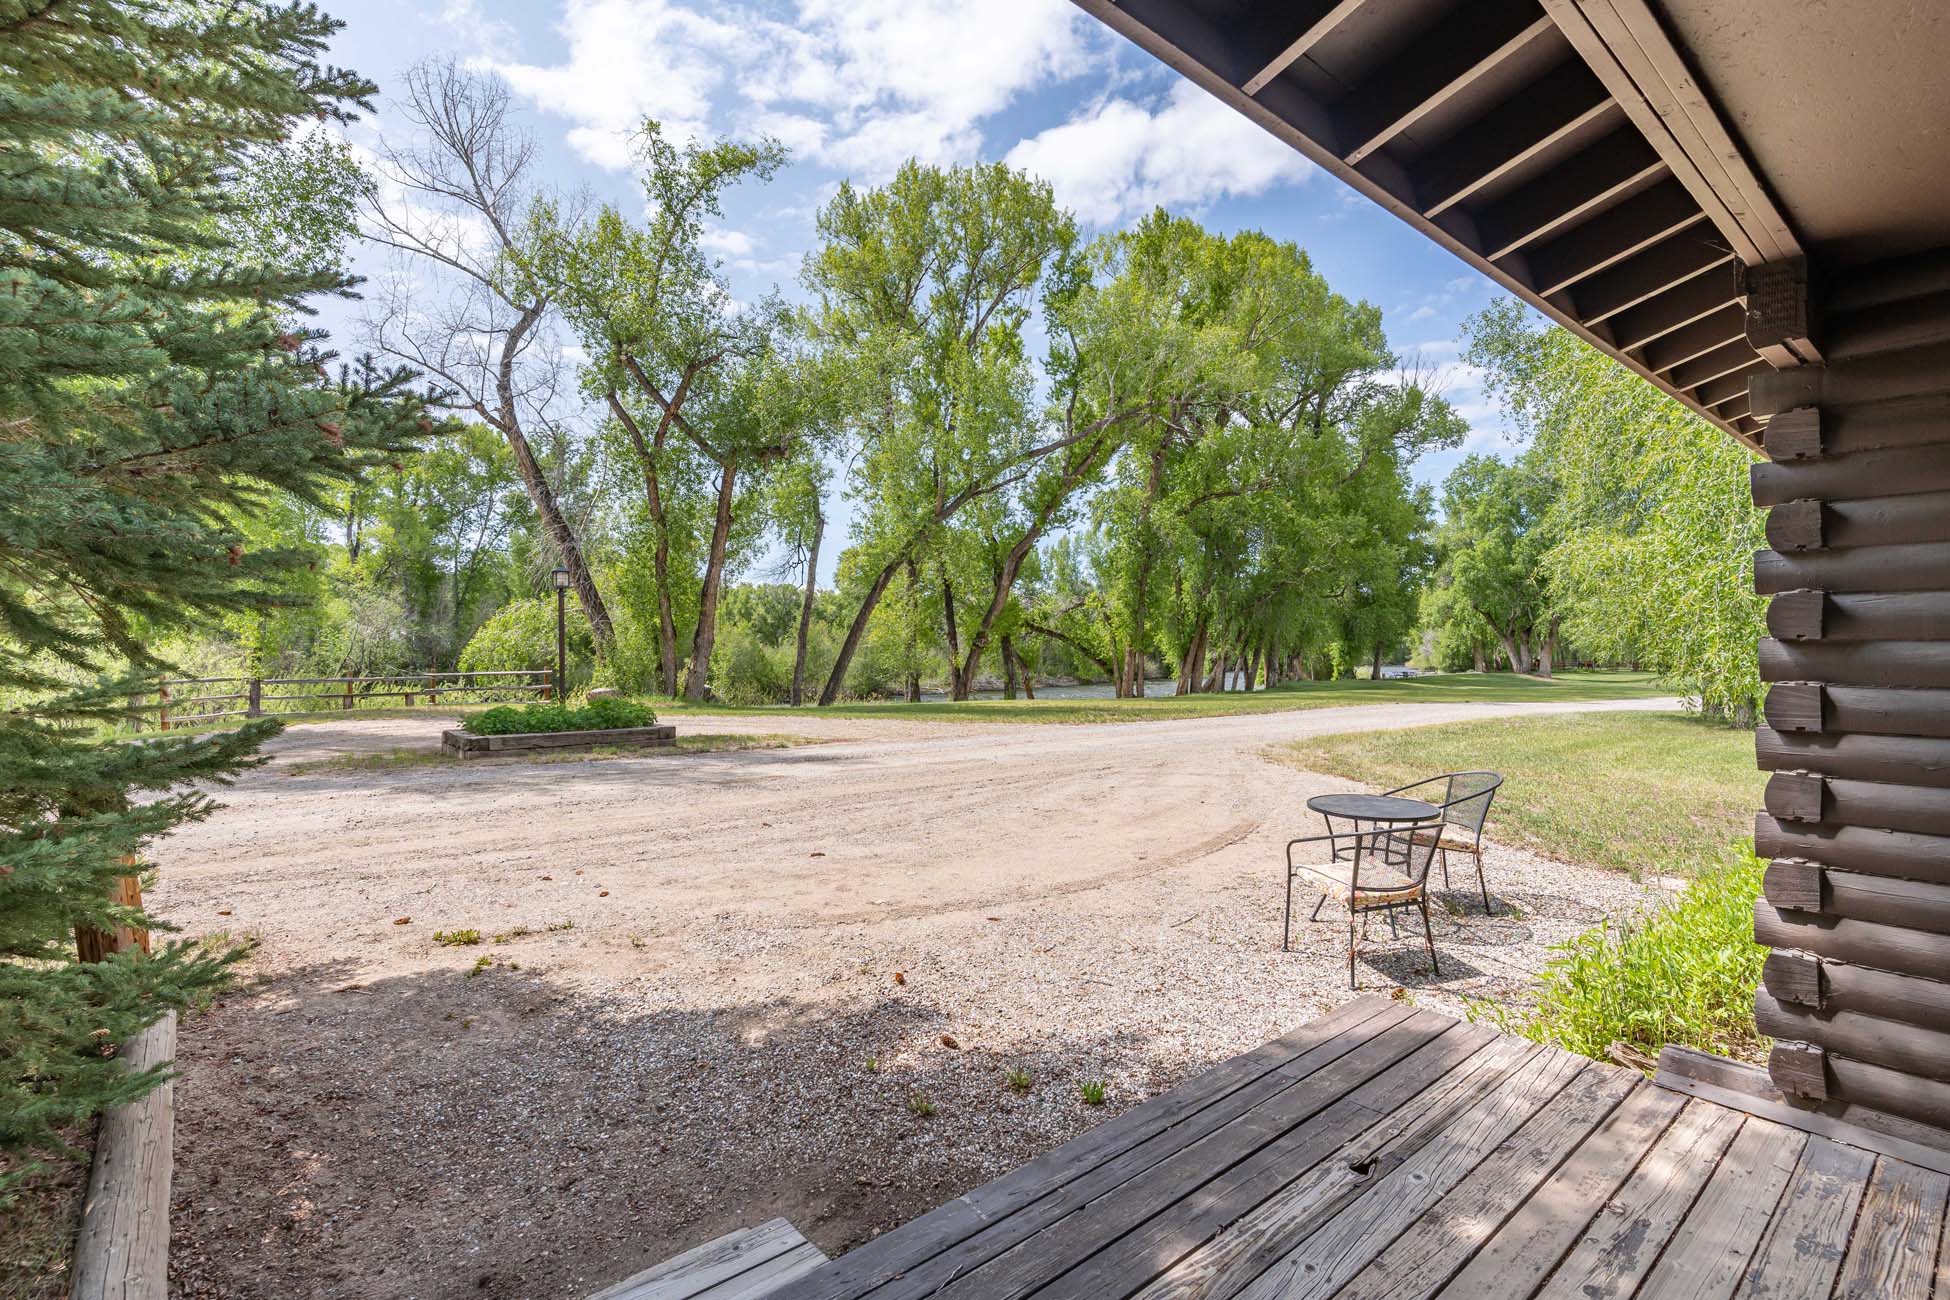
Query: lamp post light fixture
point(561, 576)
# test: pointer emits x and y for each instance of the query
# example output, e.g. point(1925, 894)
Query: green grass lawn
point(1436, 688)
point(1660, 792)
point(1442, 688)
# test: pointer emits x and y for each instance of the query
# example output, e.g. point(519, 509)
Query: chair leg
point(1445, 866)
point(1483, 884)
point(1350, 946)
point(1428, 933)
point(1286, 924)
point(1318, 904)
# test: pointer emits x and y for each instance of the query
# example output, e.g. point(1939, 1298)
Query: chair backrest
point(1468, 801)
point(1411, 848)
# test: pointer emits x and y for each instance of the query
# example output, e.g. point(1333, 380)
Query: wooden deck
point(1389, 1153)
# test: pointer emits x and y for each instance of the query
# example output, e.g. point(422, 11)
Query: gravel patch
point(725, 984)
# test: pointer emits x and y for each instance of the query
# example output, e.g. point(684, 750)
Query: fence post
point(347, 706)
point(548, 683)
point(162, 715)
point(254, 706)
point(433, 696)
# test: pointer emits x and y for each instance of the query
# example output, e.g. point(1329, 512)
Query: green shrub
point(606, 714)
point(521, 635)
point(1684, 973)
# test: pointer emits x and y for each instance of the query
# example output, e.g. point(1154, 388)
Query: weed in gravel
point(918, 1104)
point(1092, 1092)
point(456, 938)
point(1017, 1080)
point(519, 932)
point(872, 1065)
point(554, 926)
point(636, 941)
point(481, 963)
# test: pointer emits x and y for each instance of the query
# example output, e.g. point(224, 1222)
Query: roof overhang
point(1621, 165)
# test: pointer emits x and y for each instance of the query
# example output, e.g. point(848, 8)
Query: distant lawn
point(1443, 688)
point(1659, 792)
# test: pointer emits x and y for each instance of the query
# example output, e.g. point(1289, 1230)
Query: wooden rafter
point(1315, 20)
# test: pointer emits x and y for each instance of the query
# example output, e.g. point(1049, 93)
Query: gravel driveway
point(739, 985)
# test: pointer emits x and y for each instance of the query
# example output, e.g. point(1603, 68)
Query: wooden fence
point(186, 701)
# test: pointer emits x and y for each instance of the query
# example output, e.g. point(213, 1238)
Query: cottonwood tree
point(468, 308)
point(706, 391)
point(924, 288)
point(1494, 537)
point(153, 392)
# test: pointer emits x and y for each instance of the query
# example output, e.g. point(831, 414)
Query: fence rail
point(173, 708)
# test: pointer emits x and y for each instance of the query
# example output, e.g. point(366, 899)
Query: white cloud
point(857, 84)
point(729, 243)
point(1119, 158)
point(629, 59)
point(1424, 312)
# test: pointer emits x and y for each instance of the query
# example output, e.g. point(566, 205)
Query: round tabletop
point(1373, 808)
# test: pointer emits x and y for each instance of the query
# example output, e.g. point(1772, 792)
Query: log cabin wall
point(1856, 903)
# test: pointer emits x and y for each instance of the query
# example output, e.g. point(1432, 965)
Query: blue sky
point(853, 87)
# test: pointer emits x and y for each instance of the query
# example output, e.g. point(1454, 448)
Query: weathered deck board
point(1802, 1251)
point(744, 1265)
point(1708, 1256)
point(1428, 1253)
point(1386, 1152)
point(1622, 1239)
point(1895, 1233)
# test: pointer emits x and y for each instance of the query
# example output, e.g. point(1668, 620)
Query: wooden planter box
point(462, 744)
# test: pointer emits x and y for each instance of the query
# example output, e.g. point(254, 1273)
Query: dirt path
point(724, 979)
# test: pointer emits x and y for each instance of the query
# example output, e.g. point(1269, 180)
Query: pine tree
point(152, 390)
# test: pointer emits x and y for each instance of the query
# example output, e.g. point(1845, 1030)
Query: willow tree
point(152, 393)
point(1652, 524)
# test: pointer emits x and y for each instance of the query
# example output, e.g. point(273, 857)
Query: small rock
point(949, 1040)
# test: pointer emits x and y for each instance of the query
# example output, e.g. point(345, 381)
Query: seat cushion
point(1380, 883)
point(1458, 837)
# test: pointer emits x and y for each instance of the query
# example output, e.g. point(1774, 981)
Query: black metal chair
point(1384, 870)
point(1465, 805)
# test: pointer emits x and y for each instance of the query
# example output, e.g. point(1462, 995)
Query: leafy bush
point(606, 714)
point(1684, 974)
point(521, 635)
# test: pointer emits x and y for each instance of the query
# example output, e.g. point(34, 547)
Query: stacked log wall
point(1856, 894)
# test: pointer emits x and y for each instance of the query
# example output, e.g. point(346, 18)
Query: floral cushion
point(1380, 883)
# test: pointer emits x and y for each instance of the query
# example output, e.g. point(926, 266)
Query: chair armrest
point(1333, 838)
point(1416, 785)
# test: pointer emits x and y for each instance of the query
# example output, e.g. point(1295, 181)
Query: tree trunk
point(653, 500)
point(1374, 671)
point(1027, 678)
point(707, 602)
point(806, 609)
point(1194, 661)
point(1477, 650)
point(957, 682)
point(1547, 649)
point(1008, 669)
point(857, 629)
point(556, 525)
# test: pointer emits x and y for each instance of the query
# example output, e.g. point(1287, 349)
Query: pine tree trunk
point(806, 609)
point(98, 945)
point(705, 638)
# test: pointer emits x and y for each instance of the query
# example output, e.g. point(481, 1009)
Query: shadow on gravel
point(444, 1135)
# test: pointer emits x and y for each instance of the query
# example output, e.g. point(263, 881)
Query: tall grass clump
point(1684, 973)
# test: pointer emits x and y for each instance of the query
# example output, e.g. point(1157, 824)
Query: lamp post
point(561, 576)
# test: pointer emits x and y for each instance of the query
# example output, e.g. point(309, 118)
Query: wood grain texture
point(1801, 1253)
point(1896, 1235)
point(1427, 1254)
point(1709, 1254)
point(122, 1252)
point(1623, 1240)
